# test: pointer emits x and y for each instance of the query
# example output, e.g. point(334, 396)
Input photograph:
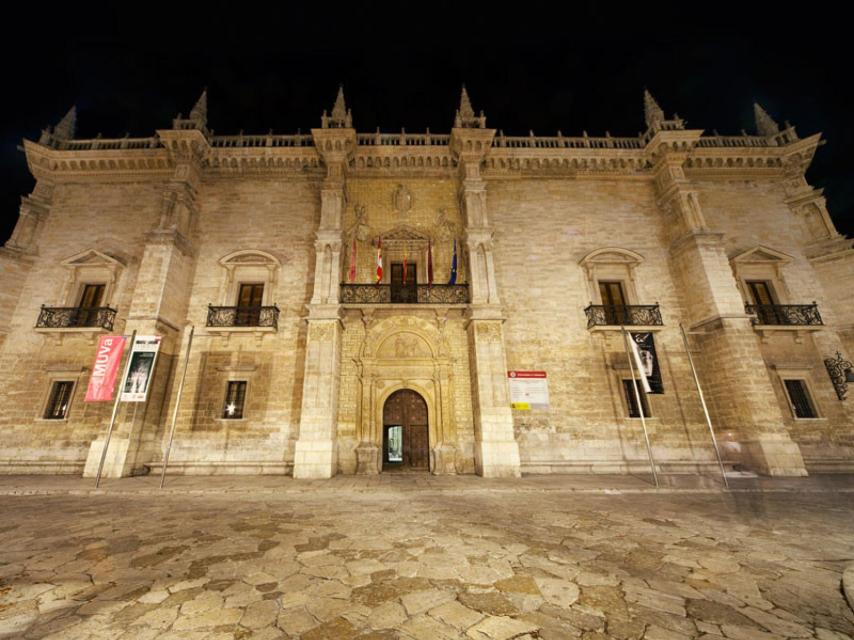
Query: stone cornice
point(702, 157)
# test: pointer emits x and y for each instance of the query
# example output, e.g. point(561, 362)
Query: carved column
point(316, 453)
point(159, 306)
point(733, 370)
point(496, 449)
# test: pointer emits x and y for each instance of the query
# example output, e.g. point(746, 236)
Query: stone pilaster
point(746, 411)
point(158, 307)
point(496, 449)
point(316, 454)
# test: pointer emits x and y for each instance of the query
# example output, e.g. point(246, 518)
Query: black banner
point(649, 358)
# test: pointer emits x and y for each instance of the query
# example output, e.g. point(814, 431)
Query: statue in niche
point(402, 200)
point(446, 233)
point(167, 212)
point(361, 230)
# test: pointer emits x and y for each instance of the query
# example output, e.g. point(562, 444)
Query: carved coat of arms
point(402, 200)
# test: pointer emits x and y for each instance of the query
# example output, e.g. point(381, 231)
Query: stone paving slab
point(271, 485)
point(419, 563)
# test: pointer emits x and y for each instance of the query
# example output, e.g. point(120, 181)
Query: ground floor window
point(59, 400)
point(799, 397)
point(631, 400)
point(235, 397)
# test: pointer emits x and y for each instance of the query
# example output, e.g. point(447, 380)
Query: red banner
point(526, 374)
point(106, 369)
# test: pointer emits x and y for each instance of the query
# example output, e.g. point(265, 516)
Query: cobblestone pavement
point(401, 563)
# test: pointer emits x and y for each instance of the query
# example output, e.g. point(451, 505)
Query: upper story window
point(246, 293)
point(91, 282)
point(612, 286)
point(759, 276)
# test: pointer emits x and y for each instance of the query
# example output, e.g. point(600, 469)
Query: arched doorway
point(405, 439)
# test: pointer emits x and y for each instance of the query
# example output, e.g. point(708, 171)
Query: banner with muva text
point(108, 357)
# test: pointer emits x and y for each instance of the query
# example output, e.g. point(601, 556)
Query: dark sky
point(133, 66)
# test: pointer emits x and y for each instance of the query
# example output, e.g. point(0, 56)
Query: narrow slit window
point(799, 396)
point(59, 400)
point(235, 397)
point(631, 400)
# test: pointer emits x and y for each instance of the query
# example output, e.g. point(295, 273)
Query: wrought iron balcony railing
point(419, 294)
point(603, 315)
point(784, 314)
point(224, 317)
point(76, 318)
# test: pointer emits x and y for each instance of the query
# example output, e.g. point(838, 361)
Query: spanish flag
point(380, 261)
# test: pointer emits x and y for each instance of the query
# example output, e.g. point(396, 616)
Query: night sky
point(132, 68)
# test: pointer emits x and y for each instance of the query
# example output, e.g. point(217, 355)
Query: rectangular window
point(631, 400)
point(235, 397)
point(800, 398)
point(614, 300)
point(249, 300)
point(59, 400)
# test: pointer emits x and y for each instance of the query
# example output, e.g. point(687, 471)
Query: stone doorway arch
point(406, 352)
point(406, 442)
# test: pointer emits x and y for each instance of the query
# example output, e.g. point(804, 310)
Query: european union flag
point(453, 278)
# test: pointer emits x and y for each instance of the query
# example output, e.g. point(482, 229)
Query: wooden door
point(404, 290)
point(405, 410)
point(614, 301)
point(765, 301)
point(249, 300)
point(90, 301)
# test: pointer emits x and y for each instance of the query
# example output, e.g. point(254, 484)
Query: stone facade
point(172, 225)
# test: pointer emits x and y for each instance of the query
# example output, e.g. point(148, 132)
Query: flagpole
point(705, 408)
point(640, 407)
point(177, 404)
point(115, 410)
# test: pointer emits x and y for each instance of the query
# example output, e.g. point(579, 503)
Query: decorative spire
point(652, 113)
point(465, 114)
point(199, 114)
point(654, 116)
point(765, 124)
point(341, 116)
point(66, 127)
point(198, 118)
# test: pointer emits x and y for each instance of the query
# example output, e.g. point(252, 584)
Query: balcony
point(416, 294)
point(243, 318)
point(788, 315)
point(59, 318)
point(635, 315)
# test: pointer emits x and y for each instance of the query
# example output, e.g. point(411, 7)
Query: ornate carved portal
point(406, 353)
point(405, 439)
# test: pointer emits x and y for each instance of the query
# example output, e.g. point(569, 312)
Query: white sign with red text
point(528, 389)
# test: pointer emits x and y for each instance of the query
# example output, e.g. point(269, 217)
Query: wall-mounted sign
point(528, 389)
point(649, 360)
point(108, 357)
point(142, 358)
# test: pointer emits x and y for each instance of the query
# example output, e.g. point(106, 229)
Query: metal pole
point(640, 407)
point(705, 408)
point(115, 411)
point(177, 404)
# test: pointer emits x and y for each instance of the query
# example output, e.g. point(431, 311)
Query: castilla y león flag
point(106, 368)
point(380, 261)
